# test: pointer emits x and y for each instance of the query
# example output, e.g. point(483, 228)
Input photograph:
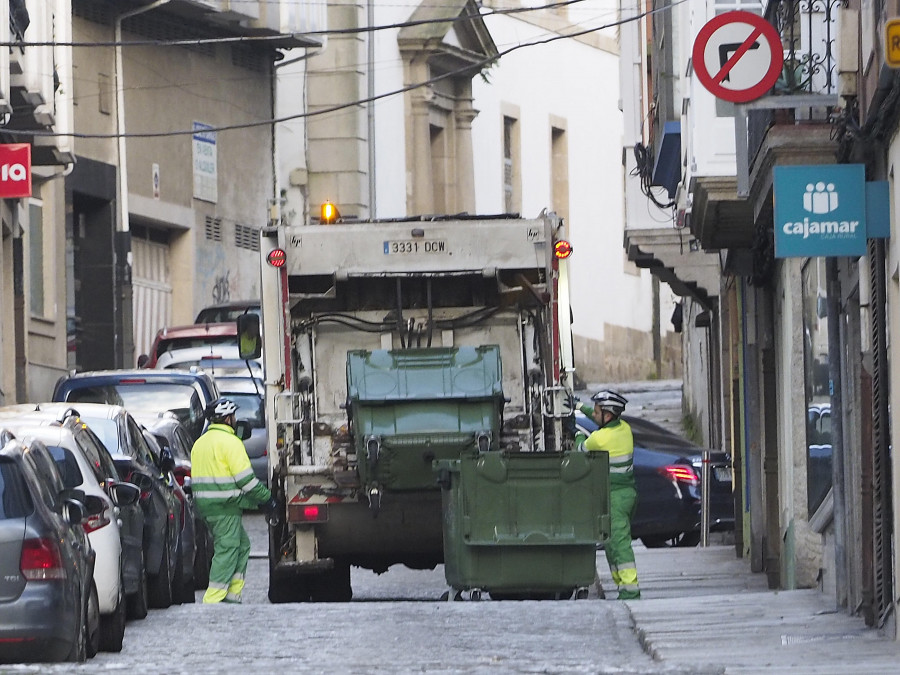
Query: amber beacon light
point(562, 249)
point(276, 257)
point(330, 214)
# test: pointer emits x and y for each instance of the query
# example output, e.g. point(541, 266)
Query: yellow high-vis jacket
point(221, 476)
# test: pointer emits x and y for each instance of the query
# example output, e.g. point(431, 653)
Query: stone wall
point(626, 354)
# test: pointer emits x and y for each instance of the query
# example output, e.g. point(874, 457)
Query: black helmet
point(611, 401)
point(220, 409)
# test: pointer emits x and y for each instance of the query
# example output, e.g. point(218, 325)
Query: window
point(439, 172)
point(559, 171)
point(512, 199)
point(36, 257)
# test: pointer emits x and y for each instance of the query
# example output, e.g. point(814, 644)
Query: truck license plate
point(415, 246)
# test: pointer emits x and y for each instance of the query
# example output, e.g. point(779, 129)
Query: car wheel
point(178, 577)
point(202, 557)
point(137, 603)
point(93, 623)
point(112, 628)
point(159, 586)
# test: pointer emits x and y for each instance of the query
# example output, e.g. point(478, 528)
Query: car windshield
point(168, 345)
point(145, 397)
point(67, 465)
point(250, 408)
point(15, 500)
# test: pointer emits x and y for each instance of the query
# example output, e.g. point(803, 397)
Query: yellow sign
point(892, 43)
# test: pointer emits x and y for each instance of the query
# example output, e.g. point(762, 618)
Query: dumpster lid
point(381, 375)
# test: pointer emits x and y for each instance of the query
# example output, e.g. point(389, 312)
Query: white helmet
point(612, 401)
point(221, 408)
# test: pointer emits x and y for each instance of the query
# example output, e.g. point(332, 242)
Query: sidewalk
point(703, 609)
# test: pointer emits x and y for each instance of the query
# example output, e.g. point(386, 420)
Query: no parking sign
point(738, 56)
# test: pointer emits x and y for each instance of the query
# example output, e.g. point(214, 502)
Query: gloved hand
point(580, 438)
point(270, 508)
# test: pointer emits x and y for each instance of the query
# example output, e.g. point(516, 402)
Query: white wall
point(578, 83)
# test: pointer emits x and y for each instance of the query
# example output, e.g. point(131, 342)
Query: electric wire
point(487, 61)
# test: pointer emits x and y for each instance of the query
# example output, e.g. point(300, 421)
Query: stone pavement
point(703, 610)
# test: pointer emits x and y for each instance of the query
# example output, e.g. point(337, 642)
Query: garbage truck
point(391, 348)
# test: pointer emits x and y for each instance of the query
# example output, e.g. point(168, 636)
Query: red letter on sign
point(15, 170)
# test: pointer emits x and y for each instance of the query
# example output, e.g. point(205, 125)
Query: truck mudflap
point(524, 525)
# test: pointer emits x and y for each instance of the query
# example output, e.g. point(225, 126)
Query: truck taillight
point(307, 513)
point(562, 249)
point(276, 257)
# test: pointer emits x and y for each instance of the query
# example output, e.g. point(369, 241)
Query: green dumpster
point(413, 406)
point(524, 524)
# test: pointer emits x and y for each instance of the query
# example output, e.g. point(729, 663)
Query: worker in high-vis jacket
point(224, 485)
point(615, 438)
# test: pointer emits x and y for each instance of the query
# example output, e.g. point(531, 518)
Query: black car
point(124, 439)
point(171, 435)
point(49, 609)
point(144, 391)
point(667, 473)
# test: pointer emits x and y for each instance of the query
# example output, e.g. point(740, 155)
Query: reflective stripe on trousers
point(231, 551)
point(619, 553)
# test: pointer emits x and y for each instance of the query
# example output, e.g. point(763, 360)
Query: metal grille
point(881, 477)
point(251, 58)
point(213, 228)
point(246, 237)
point(808, 30)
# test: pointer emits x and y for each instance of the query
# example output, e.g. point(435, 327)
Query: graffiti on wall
point(221, 290)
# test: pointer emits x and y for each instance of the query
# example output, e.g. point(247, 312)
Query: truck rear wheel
point(288, 588)
point(333, 585)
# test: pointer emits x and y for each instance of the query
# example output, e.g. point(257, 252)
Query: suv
point(186, 337)
point(113, 526)
point(145, 391)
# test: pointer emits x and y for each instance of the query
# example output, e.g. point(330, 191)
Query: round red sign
point(738, 56)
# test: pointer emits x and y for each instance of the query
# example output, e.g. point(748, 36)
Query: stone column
point(419, 180)
point(465, 166)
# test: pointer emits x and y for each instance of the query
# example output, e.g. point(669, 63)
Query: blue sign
point(820, 210)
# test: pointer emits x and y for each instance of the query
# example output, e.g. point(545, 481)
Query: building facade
point(441, 108)
point(800, 361)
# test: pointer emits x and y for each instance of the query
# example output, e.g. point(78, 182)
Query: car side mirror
point(143, 482)
point(124, 494)
point(242, 429)
point(73, 511)
point(166, 461)
point(249, 341)
point(93, 505)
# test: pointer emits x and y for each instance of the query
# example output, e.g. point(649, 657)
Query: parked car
point(143, 391)
point(183, 580)
point(171, 435)
point(215, 360)
point(228, 311)
point(248, 393)
point(184, 337)
point(115, 525)
point(49, 609)
point(667, 473)
point(124, 439)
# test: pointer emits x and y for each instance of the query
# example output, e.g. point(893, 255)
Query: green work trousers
point(619, 554)
point(231, 551)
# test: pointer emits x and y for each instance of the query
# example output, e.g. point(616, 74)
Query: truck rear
point(391, 346)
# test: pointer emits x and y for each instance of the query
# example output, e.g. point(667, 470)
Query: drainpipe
point(370, 107)
point(833, 299)
point(120, 111)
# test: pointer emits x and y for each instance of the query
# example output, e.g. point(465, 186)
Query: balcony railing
point(808, 30)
